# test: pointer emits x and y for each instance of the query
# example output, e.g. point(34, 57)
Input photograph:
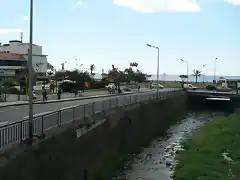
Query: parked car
point(155, 85)
point(211, 87)
point(189, 86)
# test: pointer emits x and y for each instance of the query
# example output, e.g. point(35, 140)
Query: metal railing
point(17, 132)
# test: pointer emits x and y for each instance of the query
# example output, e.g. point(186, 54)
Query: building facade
point(17, 48)
point(9, 63)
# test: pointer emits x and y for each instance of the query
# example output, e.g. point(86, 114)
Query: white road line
point(2, 123)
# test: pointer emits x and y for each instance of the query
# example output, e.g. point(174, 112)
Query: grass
point(202, 157)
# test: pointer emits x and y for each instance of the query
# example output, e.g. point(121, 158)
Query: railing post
point(84, 110)
point(85, 174)
point(59, 118)
point(110, 104)
point(93, 107)
point(21, 132)
point(73, 114)
point(102, 106)
point(42, 126)
point(117, 103)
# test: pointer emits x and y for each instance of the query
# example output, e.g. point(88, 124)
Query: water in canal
point(156, 162)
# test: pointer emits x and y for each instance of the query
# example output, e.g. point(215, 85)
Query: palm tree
point(133, 64)
point(92, 68)
point(197, 73)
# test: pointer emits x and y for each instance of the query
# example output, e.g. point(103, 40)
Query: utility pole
point(158, 58)
point(30, 68)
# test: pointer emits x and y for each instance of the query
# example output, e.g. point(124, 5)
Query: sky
point(106, 32)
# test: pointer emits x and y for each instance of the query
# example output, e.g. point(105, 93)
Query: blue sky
point(106, 32)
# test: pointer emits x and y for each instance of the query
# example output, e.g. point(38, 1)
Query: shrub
point(68, 87)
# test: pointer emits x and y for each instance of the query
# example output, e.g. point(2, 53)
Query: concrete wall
point(65, 155)
point(200, 102)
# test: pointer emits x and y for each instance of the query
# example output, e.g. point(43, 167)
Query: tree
point(50, 66)
point(92, 68)
point(197, 73)
point(22, 76)
point(139, 76)
point(129, 74)
point(50, 73)
point(183, 77)
point(116, 76)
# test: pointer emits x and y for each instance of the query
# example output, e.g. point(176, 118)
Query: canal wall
point(226, 102)
point(74, 152)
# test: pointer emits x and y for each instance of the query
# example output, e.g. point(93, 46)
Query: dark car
point(211, 87)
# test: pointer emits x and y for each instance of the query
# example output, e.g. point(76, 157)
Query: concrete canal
point(157, 161)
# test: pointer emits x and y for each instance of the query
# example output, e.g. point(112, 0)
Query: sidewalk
point(68, 97)
point(72, 95)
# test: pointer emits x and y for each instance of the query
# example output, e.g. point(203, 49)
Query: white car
point(155, 85)
point(189, 86)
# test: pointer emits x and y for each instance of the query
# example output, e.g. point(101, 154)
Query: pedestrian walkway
point(4, 104)
point(52, 98)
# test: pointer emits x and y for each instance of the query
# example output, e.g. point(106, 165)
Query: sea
point(166, 77)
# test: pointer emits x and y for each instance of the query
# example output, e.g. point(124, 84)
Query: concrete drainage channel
point(157, 161)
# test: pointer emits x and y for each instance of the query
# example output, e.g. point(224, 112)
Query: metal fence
point(17, 132)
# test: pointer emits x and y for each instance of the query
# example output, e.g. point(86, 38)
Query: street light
point(157, 67)
point(204, 72)
point(30, 128)
point(215, 64)
point(187, 68)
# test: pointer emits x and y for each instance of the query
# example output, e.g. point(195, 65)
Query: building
point(9, 63)
point(14, 54)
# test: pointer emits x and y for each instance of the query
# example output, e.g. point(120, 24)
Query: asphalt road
point(17, 113)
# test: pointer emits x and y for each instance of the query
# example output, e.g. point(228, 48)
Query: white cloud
point(78, 3)
point(234, 2)
point(151, 6)
point(25, 18)
point(6, 31)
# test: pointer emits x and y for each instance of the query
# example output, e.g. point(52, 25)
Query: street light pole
point(30, 89)
point(215, 64)
point(187, 68)
point(204, 73)
point(158, 57)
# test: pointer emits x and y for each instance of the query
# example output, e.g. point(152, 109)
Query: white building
point(39, 60)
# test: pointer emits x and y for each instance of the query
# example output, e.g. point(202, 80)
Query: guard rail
point(17, 132)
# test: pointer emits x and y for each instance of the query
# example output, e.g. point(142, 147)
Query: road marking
point(218, 99)
point(39, 114)
point(2, 123)
point(1, 111)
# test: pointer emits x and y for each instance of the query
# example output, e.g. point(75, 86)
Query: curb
point(72, 99)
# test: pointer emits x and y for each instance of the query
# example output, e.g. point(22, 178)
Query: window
point(12, 63)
